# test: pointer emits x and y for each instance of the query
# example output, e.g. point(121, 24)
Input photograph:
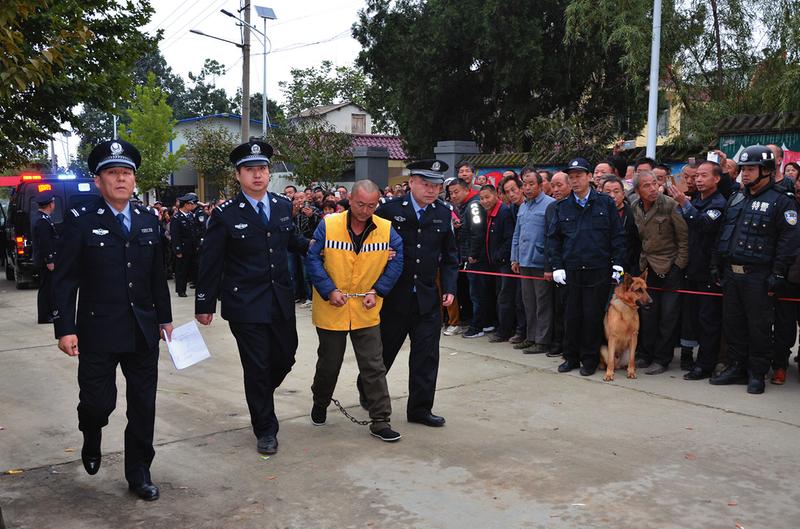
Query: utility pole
point(246, 73)
point(652, 107)
point(53, 162)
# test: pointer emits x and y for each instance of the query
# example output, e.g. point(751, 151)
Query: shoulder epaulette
point(225, 204)
point(281, 195)
point(446, 204)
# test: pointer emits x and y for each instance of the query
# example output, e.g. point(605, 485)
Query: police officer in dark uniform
point(413, 307)
point(586, 248)
point(112, 253)
point(183, 233)
point(757, 243)
point(45, 248)
point(246, 255)
point(200, 222)
point(703, 216)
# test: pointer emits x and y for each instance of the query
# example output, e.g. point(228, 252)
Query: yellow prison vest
point(351, 273)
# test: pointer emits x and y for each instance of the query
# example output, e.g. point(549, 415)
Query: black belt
point(746, 269)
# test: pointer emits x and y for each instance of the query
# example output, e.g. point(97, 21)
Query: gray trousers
point(537, 297)
point(369, 356)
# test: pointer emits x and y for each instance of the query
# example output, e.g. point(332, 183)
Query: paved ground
point(523, 447)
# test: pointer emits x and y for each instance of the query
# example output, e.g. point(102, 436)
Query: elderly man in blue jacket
point(528, 258)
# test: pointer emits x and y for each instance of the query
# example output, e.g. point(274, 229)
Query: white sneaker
point(306, 304)
point(488, 329)
point(452, 330)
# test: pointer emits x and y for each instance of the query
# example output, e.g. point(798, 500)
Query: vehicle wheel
point(9, 272)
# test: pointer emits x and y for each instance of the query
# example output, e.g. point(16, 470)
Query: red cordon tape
point(679, 291)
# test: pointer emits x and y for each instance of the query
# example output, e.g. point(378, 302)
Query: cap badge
point(744, 157)
point(575, 162)
point(436, 166)
point(116, 149)
point(255, 149)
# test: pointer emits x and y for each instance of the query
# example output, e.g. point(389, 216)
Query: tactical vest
point(353, 273)
point(748, 235)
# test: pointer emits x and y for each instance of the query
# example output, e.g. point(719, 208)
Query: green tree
point(275, 111)
point(323, 85)
point(202, 96)
point(314, 149)
point(208, 150)
point(56, 55)
point(471, 80)
point(151, 129)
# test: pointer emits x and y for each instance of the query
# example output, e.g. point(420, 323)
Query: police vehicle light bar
point(30, 177)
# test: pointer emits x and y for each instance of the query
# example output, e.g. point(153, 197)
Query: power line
point(196, 20)
point(297, 46)
point(164, 20)
point(184, 17)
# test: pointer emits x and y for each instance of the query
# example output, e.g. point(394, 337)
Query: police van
point(69, 192)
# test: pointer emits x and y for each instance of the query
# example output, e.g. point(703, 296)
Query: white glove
point(616, 275)
point(560, 277)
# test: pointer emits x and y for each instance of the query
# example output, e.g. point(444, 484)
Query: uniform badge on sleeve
point(713, 214)
point(791, 217)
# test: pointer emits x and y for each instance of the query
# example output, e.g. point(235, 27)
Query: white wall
point(341, 119)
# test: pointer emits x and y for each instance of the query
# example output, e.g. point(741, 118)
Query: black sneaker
point(387, 434)
point(473, 333)
point(318, 414)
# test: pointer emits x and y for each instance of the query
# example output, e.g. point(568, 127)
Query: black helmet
point(758, 155)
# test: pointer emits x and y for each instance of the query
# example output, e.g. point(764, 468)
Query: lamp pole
point(652, 106)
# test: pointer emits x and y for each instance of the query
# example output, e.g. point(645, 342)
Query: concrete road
point(524, 447)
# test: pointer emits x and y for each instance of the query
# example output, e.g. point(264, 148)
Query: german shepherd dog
point(622, 325)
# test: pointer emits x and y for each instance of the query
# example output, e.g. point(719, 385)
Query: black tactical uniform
point(183, 233)
point(413, 307)
point(756, 245)
point(118, 268)
point(246, 258)
point(703, 216)
point(45, 247)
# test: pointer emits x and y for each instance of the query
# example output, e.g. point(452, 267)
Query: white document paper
point(187, 346)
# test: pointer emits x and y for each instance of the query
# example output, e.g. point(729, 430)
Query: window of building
point(359, 123)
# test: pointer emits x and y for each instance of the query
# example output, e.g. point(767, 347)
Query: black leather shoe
point(641, 363)
point(567, 366)
point(181, 294)
point(90, 453)
point(587, 371)
point(731, 375)
point(697, 373)
point(656, 369)
point(267, 444)
point(146, 491)
point(755, 385)
point(427, 419)
point(318, 414)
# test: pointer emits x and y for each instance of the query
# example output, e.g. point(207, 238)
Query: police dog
point(622, 325)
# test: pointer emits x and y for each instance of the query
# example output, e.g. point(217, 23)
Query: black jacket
point(471, 234)
point(500, 234)
point(121, 280)
point(633, 244)
point(704, 217)
point(45, 241)
point(588, 237)
point(183, 232)
point(429, 249)
point(248, 261)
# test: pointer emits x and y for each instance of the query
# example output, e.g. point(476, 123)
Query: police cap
point(188, 197)
point(251, 154)
point(430, 170)
point(579, 164)
point(114, 153)
point(45, 197)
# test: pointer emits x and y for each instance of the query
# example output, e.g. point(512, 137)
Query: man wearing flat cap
point(414, 306)
point(45, 248)
point(112, 253)
point(245, 258)
point(182, 233)
point(585, 248)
